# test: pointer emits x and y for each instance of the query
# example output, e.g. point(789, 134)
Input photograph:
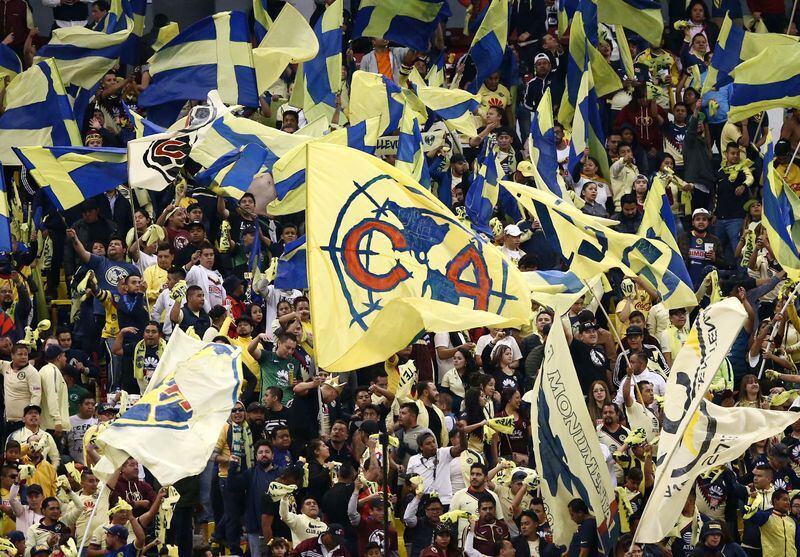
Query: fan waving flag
point(37, 112)
point(411, 158)
point(234, 172)
point(292, 271)
point(542, 148)
point(213, 53)
point(483, 193)
point(5, 216)
point(781, 217)
point(658, 222)
point(70, 175)
point(262, 19)
point(373, 95)
point(454, 106)
point(642, 16)
point(489, 43)
point(387, 261)
point(409, 22)
point(587, 127)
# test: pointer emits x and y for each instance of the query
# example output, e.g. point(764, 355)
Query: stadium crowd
point(301, 468)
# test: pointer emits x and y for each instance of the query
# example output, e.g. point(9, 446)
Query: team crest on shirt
point(115, 274)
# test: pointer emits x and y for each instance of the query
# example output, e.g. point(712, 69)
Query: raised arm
point(83, 255)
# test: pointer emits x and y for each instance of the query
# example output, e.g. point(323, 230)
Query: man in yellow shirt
point(783, 158)
point(155, 276)
point(494, 93)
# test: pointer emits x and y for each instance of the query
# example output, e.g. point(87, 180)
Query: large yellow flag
point(387, 261)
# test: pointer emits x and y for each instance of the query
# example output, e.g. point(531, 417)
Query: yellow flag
point(387, 261)
point(289, 40)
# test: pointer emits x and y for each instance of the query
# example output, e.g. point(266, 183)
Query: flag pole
point(91, 517)
point(794, 156)
point(774, 332)
point(794, 10)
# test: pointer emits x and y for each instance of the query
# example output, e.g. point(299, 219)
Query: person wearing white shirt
point(638, 364)
point(202, 274)
point(433, 465)
point(165, 301)
point(503, 338)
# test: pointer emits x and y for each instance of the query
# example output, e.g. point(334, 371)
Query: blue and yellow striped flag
point(233, 173)
point(566, 9)
point(587, 127)
point(454, 106)
point(371, 95)
point(409, 23)
point(411, 157)
point(583, 38)
point(213, 53)
point(10, 64)
point(319, 80)
point(435, 77)
point(482, 195)
point(290, 171)
point(262, 19)
point(5, 216)
point(781, 218)
point(292, 269)
point(766, 81)
point(489, 43)
point(658, 221)
point(387, 261)
point(141, 125)
point(69, 175)
point(230, 133)
point(37, 112)
point(589, 248)
point(542, 148)
point(125, 15)
point(642, 16)
point(734, 46)
point(166, 34)
point(290, 40)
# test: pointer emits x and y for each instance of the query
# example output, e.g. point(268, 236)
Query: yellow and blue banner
point(408, 23)
point(263, 21)
point(387, 261)
point(435, 77)
point(173, 428)
point(781, 218)
point(489, 43)
point(141, 126)
point(658, 222)
point(411, 158)
point(542, 148)
point(566, 9)
point(234, 172)
point(10, 64)
point(124, 14)
point(642, 16)
point(69, 175)
point(590, 248)
point(292, 270)
point(482, 195)
point(454, 106)
point(290, 40)
point(587, 127)
point(37, 112)
point(5, 216)
point(290, 171)
point(319, 80)
point(214, 53)
point(734, 46)
point(769, 80)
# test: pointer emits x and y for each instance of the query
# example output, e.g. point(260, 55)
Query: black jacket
point(545, 549)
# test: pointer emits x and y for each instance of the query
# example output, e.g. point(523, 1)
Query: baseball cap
point(541, 56)
point(53, 351)
point(503, 131)
point(709, 528)
point(634, 330)
point(701, 211)
point(442, 530)
point(519, 476)
point(16, 536)
point(335, 530)
point(104, 407)
point(117, 530)
point(587, 326)
point(749, 203)
point(30, 408)
point(194, 224)
point(255, 407)
point(525, 168)
point(512, 230)
point(783, 148)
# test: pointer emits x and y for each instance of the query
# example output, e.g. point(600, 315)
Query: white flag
point(173, 428)
point(696, 434)
point(565, 444)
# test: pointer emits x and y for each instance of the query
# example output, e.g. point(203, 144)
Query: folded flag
point(769, 80)
point(213, 53)
point(387, 260)
point(454, 106)
point(642, 16)
point(173, 428)
point(234, 172)
point(781, 218)
point(37, 112)
point(373, 94)
point(70, 175)
point(409, 23)
point(166, 34)
point(489, 43)
point(555, 289)
point(290, 40)
point(292, 270)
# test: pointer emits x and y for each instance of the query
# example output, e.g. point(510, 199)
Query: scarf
point(732, 170)
point(138, 357)
point(241, 436)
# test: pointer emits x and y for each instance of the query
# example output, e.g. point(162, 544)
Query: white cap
point(701, 211)
point(512, 230)
point(541, 56)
